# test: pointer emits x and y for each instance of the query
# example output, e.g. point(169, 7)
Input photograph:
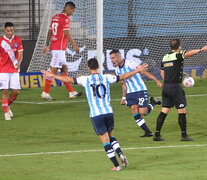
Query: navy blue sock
point(110, 153)
point(115, 145)
point(141, 122)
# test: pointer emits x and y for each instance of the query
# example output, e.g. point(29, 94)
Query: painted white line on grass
point(78, 101)
point(98, 150)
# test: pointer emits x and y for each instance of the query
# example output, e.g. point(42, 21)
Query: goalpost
point(140, 29)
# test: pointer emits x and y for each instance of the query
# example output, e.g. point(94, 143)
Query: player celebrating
point(135, 91)
point(59, 34)
point(11, 53)
point(101, 113)
point(172, 92)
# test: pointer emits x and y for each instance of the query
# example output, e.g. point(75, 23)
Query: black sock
point(182, 123)
point(160, 121)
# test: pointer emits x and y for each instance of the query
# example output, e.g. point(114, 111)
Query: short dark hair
point(174, 44)
point(71, 4)
point(93, 63)
point(114, 51)
point(9, 24)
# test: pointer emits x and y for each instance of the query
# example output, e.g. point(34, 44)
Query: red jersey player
point(59, 34)
point(11, 53)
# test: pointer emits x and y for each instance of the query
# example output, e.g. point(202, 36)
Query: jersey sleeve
point(80, 80)
point(20, 47)
point(112, 78)
point(180, 56)
point(66, 24)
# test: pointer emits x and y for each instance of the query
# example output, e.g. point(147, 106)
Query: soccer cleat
point(7, 116)
point(46, 96)
point(10, 112)
point(158, 138)
point(154, 101)
point(186, 138)
point(124, 161)
point(118, 168)
point(74, 94)
point(147, 134)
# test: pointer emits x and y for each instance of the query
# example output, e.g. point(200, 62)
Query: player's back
point(97, 89)
point(59, 23)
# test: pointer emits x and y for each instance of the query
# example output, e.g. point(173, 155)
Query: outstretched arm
point(194, 52)
point(127, 75)
point(61, 78)
point(149, 75)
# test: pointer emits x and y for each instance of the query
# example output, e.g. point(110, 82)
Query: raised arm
point(194, 52)
point(70, 39)
point(49, 36)
point(61, 78)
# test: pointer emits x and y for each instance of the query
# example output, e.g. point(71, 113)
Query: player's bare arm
point(162, 73)
point(149, 75)
point(194, 52)
point(20, 57)
point(49, 36)
point(61, 78)
point(124, 92)
point(70, 39)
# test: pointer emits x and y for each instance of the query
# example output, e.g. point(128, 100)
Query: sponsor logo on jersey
point(169, 64)
point(1, 84)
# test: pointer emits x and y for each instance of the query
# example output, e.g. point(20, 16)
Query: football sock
point(141, 122)
point(4, 103)
point(110, 153)
point(11, 99)
point(182, 123)
point(160, 121)
point(115, 145)
point(48, 82)
point(67, 85)
point(150, 107)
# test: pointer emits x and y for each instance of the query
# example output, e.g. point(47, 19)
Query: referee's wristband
point(123, 98)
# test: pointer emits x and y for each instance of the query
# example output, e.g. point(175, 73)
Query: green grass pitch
point(66, 126)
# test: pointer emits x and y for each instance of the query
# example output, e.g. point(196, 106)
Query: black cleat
point(155, 101)
point(158, 138)
point(147, 134)
point(186, 138)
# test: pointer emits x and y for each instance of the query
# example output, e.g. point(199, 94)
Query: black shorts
point(173, 95)
point(103, 123)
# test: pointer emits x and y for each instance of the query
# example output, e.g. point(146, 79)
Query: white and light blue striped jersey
point(97, 88)
point(135, 83)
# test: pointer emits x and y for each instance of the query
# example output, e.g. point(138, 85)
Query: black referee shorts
point(173, 95)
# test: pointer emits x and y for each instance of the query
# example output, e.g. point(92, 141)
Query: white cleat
point(124, 161)
point(46, 96)
point(10, 112)
point(74, 94)
point(7, 116)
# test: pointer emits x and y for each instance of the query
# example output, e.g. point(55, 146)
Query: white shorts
point(9, 80)
point(58, 58)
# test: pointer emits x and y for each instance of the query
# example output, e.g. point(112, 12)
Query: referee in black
point(172, 92)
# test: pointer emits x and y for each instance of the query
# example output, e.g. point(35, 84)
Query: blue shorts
point(139, 98)
point(103, 123)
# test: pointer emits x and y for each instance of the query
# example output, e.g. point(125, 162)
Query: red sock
point(4, 103)
point(48, 83)
point(11, 99)
point(67, 85)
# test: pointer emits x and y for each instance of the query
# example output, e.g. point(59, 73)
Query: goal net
point(140, 29)
point(82, 30)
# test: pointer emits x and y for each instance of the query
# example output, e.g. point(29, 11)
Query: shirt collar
point(8, 38)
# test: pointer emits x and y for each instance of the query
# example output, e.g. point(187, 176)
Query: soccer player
point(134, 90)
point(59, 34)
point(11, 53)
point(172, 92)
point(97, 89)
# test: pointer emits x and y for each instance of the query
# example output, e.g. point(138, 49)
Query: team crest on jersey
point(15, 45)
point(1, 84)
point(66, 20)
point(60, 63)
